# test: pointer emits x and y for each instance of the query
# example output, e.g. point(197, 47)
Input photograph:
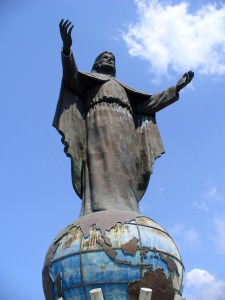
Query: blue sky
point(154, 42)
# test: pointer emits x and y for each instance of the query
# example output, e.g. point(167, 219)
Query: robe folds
point(110, 133)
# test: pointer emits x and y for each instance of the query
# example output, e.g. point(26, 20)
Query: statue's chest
point(109, 89)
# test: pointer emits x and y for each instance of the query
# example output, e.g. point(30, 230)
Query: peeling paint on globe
point(117, 251)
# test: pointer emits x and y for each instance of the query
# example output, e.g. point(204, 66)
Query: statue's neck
point(106, 71)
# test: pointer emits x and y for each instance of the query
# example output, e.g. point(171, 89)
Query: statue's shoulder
point(95, 76)
point(132, 90)
point(103, 78)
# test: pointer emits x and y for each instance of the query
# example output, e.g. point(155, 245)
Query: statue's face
point(106, 62)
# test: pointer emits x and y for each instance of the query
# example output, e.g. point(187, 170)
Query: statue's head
point(105, 63)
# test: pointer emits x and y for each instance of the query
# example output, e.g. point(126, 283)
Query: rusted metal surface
point(125, 252)
point(104, 220)
point(107, 240)
point(107, 248)
point(81, 269)
point(159, 240)
point(144, 251)
point(130, 247)
point(145, 221)
point(162, 287)
point(171, 264)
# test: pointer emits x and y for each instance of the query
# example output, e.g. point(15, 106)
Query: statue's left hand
point(185, 80)
point(66, 28)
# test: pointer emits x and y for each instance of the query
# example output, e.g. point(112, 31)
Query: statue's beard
point(106, 69)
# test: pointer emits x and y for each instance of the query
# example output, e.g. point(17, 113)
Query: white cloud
point(170, 37)
point(201, 285)
point(198, 277)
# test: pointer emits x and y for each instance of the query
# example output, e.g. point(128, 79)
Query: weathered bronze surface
point(109, 131)
point(162, 287)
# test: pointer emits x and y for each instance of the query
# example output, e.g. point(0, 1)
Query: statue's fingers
point(184, 76)
point(65, 23)
point(190, 76)
point(61, 22)
point(63, 28)
point(68, 25)
point(70, 29)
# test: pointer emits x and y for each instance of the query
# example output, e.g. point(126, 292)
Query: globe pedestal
point(117, 251)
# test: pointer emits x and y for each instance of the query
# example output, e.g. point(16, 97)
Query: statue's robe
point(110, 133)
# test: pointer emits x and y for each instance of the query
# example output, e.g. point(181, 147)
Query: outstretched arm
point(70, 71)
point(160, 100)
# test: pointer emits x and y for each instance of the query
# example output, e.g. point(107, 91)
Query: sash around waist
point(112, 103)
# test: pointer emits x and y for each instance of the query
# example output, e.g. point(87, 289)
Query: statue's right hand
point(66, 28)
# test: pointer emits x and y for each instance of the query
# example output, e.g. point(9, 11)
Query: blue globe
point(117, 251)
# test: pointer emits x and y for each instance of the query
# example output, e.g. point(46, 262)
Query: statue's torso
point(108, 91)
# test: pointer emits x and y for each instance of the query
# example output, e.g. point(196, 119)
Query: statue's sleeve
point(149, 139)
point(71, 76)
point(69, 120)
point(150, 148)
point(156, 101)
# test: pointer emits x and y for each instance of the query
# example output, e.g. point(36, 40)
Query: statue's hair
point(96, 62)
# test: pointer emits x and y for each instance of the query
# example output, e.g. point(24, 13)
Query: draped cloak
point(110, 133)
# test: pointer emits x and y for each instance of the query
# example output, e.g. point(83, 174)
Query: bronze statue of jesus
point(109, 131)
